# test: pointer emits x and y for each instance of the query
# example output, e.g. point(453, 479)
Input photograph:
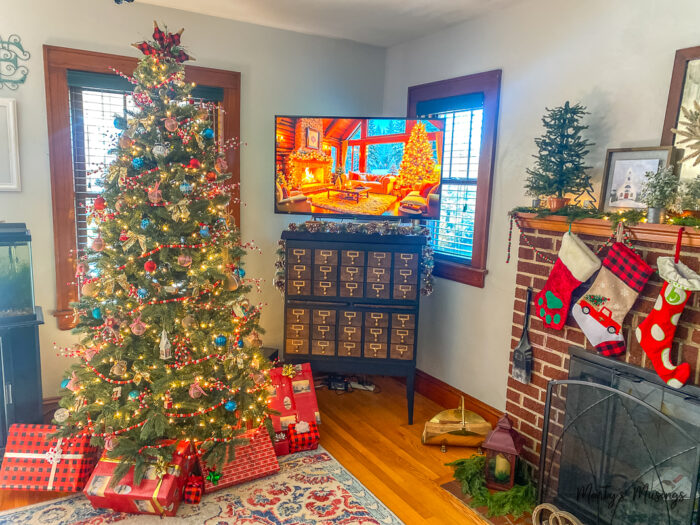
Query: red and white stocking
point(655, 333)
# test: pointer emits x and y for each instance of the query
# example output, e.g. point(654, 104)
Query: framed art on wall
point(624, 175)
point(9, 146)
point(313, 138)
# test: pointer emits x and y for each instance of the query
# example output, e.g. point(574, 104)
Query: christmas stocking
point(601, 310)
point(655, 333)
point(576, 263)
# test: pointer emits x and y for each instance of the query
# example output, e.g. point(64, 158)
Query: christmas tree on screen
point(418, 163)
point(169, 347)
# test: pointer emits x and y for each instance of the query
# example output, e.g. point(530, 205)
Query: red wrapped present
point(281, 443)
point(254, 460)
point(303, 436)
point(34, 461)
point(193, 490)
point(293, 395)
point(160, 490)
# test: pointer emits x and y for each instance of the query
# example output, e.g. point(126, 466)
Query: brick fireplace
point(525, 403)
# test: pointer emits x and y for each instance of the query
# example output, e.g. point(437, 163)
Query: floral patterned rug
point(311, 488)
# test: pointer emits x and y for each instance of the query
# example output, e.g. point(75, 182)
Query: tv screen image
point(358, 167)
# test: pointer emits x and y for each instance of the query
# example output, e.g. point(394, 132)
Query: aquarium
point(16, 278)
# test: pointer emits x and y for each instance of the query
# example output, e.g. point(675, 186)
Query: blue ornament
point(142, 293)
point(134, 395)
point(208, 133)
point(96, 313)
point(186, 188)
point(64, 383)
point(220, 340)
point(241, 272)
point(230, 405)
point(145, 223)
point(240, 343)
point(137, 163)
point(120, 123)
point(204, 231)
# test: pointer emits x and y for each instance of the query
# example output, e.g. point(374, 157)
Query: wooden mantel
point(664, 233)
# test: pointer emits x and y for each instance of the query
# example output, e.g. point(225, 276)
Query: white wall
point(282, 72)
point(613, 56)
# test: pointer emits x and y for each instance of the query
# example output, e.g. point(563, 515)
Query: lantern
point(502, 447)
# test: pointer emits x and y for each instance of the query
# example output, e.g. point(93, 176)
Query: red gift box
point(293, 395)
point(34, 461)
point(193, 490)
point(254, 460)
point(302, 438)
point(281, 443)
point(155, 495)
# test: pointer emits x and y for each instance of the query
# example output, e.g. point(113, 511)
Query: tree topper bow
point(164, 45)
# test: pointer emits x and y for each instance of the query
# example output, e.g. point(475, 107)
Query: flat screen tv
point(358, 167)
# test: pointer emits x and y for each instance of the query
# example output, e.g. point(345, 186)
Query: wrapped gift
point(253, 460)
point(303, 436)
point(193, 490)
point(293, 395)
point(281, 443)
point(35, 461)
point(160, 490)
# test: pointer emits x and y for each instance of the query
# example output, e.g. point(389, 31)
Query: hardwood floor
point(368, 434)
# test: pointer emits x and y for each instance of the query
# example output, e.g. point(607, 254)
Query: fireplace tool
point(456, 426)
point(522, 355)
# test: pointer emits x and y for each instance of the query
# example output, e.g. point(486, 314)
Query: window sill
point(461, 273)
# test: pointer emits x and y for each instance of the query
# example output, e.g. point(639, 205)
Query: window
point(469, 106)
point(81, 101)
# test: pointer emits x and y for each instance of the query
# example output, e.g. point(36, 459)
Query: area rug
point(375, 204)
point(311, 488)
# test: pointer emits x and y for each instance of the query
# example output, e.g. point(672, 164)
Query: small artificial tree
point(169, 347)
point(560, 167)
point(417, 163)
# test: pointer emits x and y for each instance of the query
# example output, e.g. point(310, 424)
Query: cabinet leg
point(409, 394)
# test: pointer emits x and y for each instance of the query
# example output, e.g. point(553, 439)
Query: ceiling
point(377, 22)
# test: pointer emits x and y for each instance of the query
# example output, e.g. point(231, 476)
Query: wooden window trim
point(57, 61)
point(488, 83)
point(675, 91)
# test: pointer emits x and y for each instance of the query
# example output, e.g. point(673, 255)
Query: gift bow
point(165, 43)
point(132, 238)
point(196, 481)
point(302, 427)
point(179, 210)
point(120, 279)
point(289, 371)
point(139, 376)
point(213, 477)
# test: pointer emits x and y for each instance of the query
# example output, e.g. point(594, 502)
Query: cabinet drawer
point(299, 271)
point(324, 316)
point(375, 334)
point(348, 318)
point(325, 272)
point(350, 333)
point(378, 291)
point(297, 331)
point(401, 352)
point(349, 349)
point(298, 315)
point(298, 255)
point(402, 336)
point(323, 256)
point(375, 350)
point(323, 347)
point(325, 288)
point(379, 259)
point(297, 346)
point(405, 291)
point(406, 260)
point(403, 321)
point(405, 276)
point(376, 319)
point(352, 258)
point(348, 289)
point(324, 332)
point(298, 287)
point(354, 274)
point(378, 275)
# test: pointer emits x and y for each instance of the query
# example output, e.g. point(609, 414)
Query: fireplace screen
point(609, 457)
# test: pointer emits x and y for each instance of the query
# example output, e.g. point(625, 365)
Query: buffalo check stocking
point(602, 309)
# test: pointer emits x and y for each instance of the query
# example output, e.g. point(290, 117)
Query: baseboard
point(448, 396)
point(49, 406)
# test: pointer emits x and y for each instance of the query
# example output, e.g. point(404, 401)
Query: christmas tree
point(559, 168)
point(169, 347)
point(417, 163)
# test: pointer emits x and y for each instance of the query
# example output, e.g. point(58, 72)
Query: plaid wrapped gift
point(255, 460)
point(193, 490)
point(157, 494)
point(34, 461)
point(303, 436)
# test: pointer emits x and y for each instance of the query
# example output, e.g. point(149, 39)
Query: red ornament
point(98, 244)
point(211, 176)
point(155, 195)
point(221, 165)
point(150, 266)
point(123, 236)
point(99, 204)
point(171, 124)
point(194, 164)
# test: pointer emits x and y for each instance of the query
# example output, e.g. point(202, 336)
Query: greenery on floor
point(516, 501)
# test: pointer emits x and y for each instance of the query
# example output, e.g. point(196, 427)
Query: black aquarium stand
point(351, 303)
